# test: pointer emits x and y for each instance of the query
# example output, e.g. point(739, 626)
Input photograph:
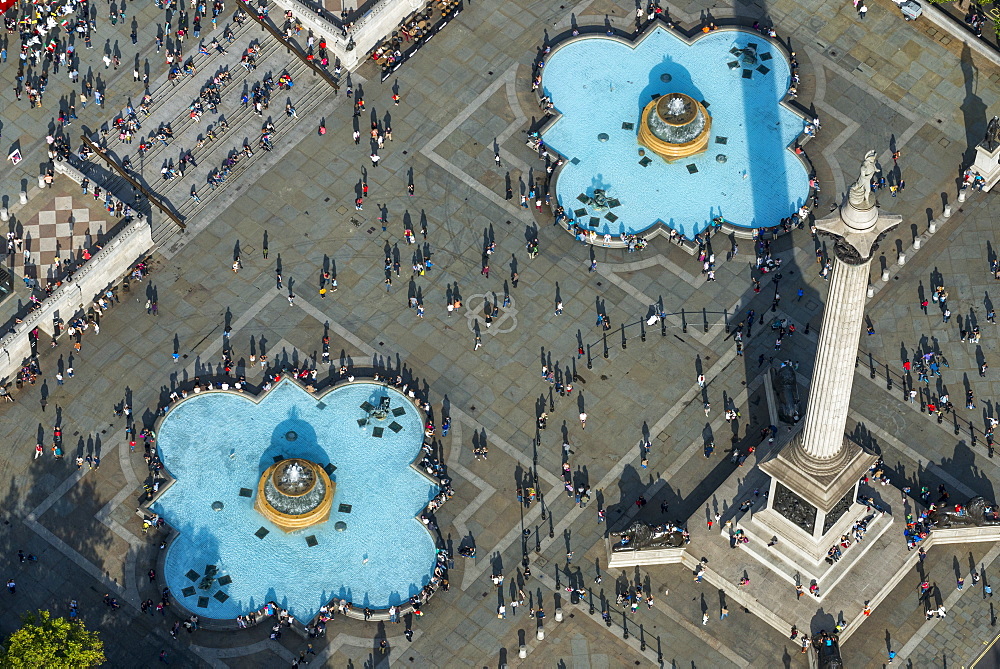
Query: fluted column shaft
point(833, 374)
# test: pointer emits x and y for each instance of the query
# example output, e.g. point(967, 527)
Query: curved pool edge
point(688, 37)
point(229, 624)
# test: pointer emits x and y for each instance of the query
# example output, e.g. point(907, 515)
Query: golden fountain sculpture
point(675, 126)
point(294, 494)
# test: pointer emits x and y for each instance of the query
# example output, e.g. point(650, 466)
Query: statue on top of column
point(860, 194)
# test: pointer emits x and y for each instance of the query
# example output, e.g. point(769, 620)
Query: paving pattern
point(879, 83)
point(63, 231)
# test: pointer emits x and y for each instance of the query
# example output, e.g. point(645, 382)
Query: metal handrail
point(265, 25)
point(125, 175)
point(877, 368)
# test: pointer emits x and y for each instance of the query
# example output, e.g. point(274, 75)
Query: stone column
point(814, 477)
point(833, 370)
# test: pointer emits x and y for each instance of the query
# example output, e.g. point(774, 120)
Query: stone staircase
point(171, 106)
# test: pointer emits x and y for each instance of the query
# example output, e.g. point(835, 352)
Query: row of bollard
point(918, 242)
point(5, 213)
point(522, 652)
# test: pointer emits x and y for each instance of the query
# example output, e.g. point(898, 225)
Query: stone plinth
point(812, 502)
point(868, 571)
point(987, 164)
point(810, 544)
point(645, 556)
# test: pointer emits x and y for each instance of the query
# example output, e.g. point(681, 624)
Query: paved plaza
point(880, 83)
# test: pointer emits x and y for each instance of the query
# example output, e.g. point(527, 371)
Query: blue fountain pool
point(216, 445)
point(600, 85)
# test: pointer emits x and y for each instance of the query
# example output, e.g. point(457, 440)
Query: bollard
point(871, 290)
point(540, 634)
point(962, 194)
point(885, 275)
point(704, 315)
point(624, 343)
point(902, 259)
point(684, 323)
point(4, 214)
point(41, 181)
point(916, 244)
point(947, 211)
point(559, 616)
point(522, 652)
point(24, 197)
point(606, 354)
point(590, 361)
point(932, 226)
point(642, 330)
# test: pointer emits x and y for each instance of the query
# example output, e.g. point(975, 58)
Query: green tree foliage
point(44, 641)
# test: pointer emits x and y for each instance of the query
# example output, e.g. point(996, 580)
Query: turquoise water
point(214, 444)
point(598, 84)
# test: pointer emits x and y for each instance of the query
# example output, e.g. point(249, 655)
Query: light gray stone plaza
point(433, 309)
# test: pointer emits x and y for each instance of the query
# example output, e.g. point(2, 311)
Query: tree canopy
point(44, 641)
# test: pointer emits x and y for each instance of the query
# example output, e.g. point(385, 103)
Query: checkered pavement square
point(64, 227)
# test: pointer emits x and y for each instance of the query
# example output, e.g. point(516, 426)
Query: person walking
point(583, 419)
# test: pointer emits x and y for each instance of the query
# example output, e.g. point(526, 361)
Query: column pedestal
point(812, 502)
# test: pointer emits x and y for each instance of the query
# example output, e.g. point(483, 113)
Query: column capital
point(857, 232)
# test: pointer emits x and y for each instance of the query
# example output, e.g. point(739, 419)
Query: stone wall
point(93, 277)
